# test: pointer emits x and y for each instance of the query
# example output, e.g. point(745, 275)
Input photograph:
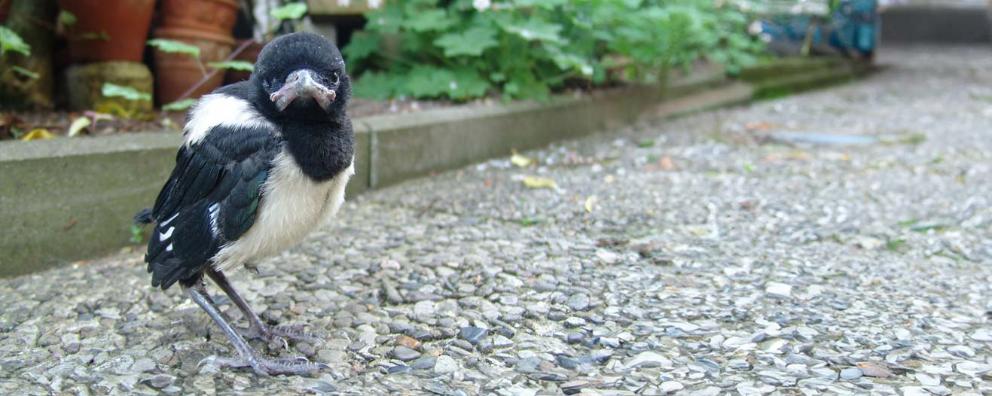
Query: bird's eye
point(334, 78)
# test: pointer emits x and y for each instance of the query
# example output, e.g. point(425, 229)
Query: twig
point(237, 51)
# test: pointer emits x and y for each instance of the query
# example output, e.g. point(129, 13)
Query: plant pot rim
point(194, 34)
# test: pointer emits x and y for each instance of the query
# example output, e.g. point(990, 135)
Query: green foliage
point(12, 42)
point(529, 48)
point(178, 47)
point(233, 65)
point(114, 90)
point(290, 11)
point(66, 18)
point(179, 105)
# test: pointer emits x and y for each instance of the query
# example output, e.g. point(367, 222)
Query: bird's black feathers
point(216, 189)
point(211, 198)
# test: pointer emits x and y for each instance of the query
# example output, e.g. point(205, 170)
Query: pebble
point(851, 373)
point(649, 359)
point(472, 334)
point(777, 289)
point(405, 354)
point(578, 302)
point(445, 364)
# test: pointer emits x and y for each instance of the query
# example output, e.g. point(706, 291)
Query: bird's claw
point(281, 333)
point(281, 366)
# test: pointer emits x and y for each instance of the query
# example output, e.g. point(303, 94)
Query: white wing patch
point(220, 109)
point(213, 211)
point(162, 236)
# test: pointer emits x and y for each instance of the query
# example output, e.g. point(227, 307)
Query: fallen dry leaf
point(590, 203)
point(666, 163)
point(78, 125)
point(539, 182)
point(407, 341)
point(38, 134)
point(872, 369)
point(521, 161)
point(759, 126)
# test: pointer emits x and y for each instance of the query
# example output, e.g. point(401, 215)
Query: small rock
point(777, 289)
point(961, 351)
point(399, 369)
point(500, 341)
point(928, 380)
point(872, 369)
point(670, 386)
point(473, 334)
point(649, 359)
point(424, 362)
point(851, 373)
point(445, 364)
point(404, 353)
point(982, 335)
point(160, 381)
point(578, 302)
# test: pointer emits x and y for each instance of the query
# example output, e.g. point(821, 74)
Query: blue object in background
point(850, 29)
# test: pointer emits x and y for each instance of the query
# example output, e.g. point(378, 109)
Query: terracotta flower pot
point(250, 55)
point(108, 30)
point(216, 16)
point(176, 73)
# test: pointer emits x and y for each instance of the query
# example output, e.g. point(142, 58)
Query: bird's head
point(302, 76)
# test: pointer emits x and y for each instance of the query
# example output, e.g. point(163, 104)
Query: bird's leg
point(247, 356)
point(256, 328)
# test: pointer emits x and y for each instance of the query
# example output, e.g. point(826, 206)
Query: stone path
point(837, 241)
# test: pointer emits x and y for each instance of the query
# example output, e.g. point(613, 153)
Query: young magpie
point(264, 162)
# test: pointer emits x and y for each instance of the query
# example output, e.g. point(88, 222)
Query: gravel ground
point(832, 242)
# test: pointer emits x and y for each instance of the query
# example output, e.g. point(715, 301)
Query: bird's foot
point(263, 366)
point(295, 332)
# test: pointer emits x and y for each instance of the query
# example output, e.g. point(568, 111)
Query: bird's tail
point(144, 216)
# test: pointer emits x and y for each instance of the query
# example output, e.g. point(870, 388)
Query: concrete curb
point(70, 199)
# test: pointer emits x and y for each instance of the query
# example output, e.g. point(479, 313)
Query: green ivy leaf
point(233, 65)
point(25, 72)
point(471, 42)
point(429, 20)
point(114, 90)
point(290, 11)
point(12, 42)
point(177, 47)
point(179, 105)
point(361, 46)
point(66, 18)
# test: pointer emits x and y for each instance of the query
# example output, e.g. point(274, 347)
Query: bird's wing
point(211, 198)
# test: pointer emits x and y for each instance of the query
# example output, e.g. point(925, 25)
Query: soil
point(14, 124)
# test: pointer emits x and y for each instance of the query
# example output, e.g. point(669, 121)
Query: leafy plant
point(232, 65)
point(175, 47)
point(12, 42)
point(290, 11)
point(464, 49)
point(114, 90)
point(179, 105)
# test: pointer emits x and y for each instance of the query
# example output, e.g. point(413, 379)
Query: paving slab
point(720, 252)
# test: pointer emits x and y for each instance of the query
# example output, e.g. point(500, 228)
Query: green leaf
point(361, 46)
point(535, 29)
point(66, 18)
point(471, 42)
point(10, 41)
point(430, 20)
point(428, 81)
point(173, 46)
point(377, 86)
point(468, 84)
point(290, 11)
point(179, 105)
point(233, 65)
point(25, 72)
point(114, 90)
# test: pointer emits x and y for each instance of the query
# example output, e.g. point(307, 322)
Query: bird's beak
point(302, 83)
